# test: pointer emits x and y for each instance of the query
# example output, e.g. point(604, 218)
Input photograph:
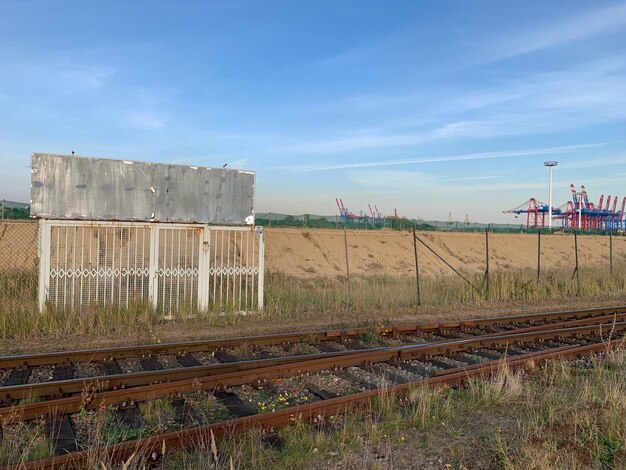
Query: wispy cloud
point(448, 158)
point(395, 181)
point(539, 103)
point(398, 180)
point(242, 162)
point(578, 27)
point(57, 77)
point(474, 178)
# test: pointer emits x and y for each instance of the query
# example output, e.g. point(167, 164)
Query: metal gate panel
point(235, 268)
point(179, 250)
point(173, 267)
point(105, 265)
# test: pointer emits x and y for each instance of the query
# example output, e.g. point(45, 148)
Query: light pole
point(550, 165)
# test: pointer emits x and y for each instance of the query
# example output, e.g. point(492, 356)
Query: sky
point(430, 108)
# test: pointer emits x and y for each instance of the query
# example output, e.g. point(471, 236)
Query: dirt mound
point(319, 253)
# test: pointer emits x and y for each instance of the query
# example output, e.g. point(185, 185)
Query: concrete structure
point(81, 188)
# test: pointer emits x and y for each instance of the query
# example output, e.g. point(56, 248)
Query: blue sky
point(430, 108)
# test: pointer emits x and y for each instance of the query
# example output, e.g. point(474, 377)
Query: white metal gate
point(174, 267)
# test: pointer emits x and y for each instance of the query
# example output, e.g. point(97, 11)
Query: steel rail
point(153, 447)
point(112, 382)
point(103, 354)
point(129, 397)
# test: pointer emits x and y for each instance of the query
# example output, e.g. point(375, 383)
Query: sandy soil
point(315, 253)
point(18, 245)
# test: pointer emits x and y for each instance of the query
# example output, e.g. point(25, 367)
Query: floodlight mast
point(550, 165)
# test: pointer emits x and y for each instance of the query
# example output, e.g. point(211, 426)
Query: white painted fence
point(174, 267)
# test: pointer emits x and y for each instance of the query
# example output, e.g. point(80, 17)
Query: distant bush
point(14, 213)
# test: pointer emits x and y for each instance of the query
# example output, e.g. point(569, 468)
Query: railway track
point(272, 395)
point(69, 372)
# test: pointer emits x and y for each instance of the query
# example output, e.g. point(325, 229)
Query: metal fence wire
point(164, 264)
point(18, 261)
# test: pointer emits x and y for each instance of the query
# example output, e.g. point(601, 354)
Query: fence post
point(269, 222)
point(611, 252)
point(45, 234)
point(204, 261)
point(153, 280)
point(345, 240)
point(486, 278)
point(261, 279)
point(576, 268)
point(417, 270)
point(538, 256)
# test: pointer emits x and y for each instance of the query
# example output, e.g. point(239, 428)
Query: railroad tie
point(350, 377)
point(188, 361)
point(18, 376)
point(233, 403)
point(512, 352)
point(130, 418)
point(356, 345)
point(274, 441)
point(320, 392)
point(529, 348)
point(110, 368)
point(447, 335)
point(463, 358)
point(265, 355)
point(61, 433)
point(417, 370)
point(569, 341)
point(224, 356)
point(150, 363)
point(267, 387)
point(411, 339)
point(487, 355)
point(326, 346)
point(389, 376)
point(440, 364)
point(186, 415)
point(63, 371)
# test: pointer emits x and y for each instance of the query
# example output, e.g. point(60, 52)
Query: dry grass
point(288, 299)
point(563, 416)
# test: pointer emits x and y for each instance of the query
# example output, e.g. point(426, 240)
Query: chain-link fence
point(322, 269)
point(18, 263)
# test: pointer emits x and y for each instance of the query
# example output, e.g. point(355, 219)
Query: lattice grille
point(234, 269)
point(178, 269)
point(98, 264)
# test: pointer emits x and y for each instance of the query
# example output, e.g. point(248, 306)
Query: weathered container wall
point(80, 188)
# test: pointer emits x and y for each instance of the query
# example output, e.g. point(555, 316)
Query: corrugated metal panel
point(81, 188)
